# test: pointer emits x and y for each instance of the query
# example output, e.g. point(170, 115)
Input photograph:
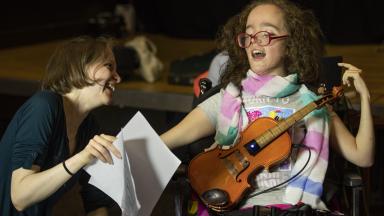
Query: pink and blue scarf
point(307, 187)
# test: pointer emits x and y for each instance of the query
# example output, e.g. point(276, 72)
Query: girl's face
point(267, 59)
point(104, 76)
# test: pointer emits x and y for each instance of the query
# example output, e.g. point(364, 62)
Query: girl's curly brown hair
point(304, 46)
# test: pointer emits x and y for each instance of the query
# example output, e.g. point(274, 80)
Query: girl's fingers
point(351, 73)
point(349, 66)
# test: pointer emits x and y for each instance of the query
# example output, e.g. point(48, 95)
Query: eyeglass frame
point(253, 37)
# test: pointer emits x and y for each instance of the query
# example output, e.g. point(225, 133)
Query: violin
point(221, 177)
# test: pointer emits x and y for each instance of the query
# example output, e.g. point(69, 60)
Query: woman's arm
point(194, 126)
point(360, 149)
point(29, 186)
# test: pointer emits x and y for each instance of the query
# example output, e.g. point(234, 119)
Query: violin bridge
point(240, 163)
point(243, 160)
point(230, 167)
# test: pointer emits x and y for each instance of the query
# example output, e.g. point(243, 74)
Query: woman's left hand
point(353, 73)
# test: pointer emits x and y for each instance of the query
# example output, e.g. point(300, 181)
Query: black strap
point(254, 211)
point(296, 210)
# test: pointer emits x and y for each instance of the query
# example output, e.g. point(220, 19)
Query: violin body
point(229, 173)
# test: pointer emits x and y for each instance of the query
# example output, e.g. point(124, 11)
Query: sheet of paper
point(136, 181)
point(116, 180)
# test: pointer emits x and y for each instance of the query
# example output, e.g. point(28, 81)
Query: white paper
point(136, 181)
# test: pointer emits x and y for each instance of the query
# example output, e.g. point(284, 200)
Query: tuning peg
point(322, 89)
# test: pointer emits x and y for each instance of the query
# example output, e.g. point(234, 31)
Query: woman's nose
point(117, 77)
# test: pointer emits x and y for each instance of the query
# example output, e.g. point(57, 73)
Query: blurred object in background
point(107, 23)
point(119, 22)
point(184, 71)
point(150, 65)
point(127, 12)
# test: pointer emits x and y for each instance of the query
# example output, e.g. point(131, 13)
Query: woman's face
point(267, 59)
point(104, 76)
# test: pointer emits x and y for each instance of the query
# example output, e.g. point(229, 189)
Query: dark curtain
point(343, 21)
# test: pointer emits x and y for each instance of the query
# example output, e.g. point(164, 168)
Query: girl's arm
point(360, 149)
point(194, 126)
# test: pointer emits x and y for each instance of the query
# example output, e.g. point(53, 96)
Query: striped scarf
point(232, 119)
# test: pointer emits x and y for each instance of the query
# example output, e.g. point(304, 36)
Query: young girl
point(51, 136)
point(274, 49)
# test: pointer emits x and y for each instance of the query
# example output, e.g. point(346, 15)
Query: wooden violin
point(221, 177)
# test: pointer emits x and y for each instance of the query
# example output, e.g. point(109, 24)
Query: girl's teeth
point(257, 53)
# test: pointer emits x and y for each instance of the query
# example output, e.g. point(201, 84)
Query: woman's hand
point(353, 73)
point(100, 147)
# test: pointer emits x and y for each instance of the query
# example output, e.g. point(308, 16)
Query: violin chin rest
point(215, 197)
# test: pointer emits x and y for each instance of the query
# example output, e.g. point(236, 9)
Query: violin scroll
point(337, 92)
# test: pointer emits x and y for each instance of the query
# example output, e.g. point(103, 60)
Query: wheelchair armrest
point(352, 180)
point(355, 182)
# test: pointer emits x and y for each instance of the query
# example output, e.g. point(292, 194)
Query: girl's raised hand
point(353, 74)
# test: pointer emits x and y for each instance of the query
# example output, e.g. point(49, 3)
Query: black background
point(21, 22)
